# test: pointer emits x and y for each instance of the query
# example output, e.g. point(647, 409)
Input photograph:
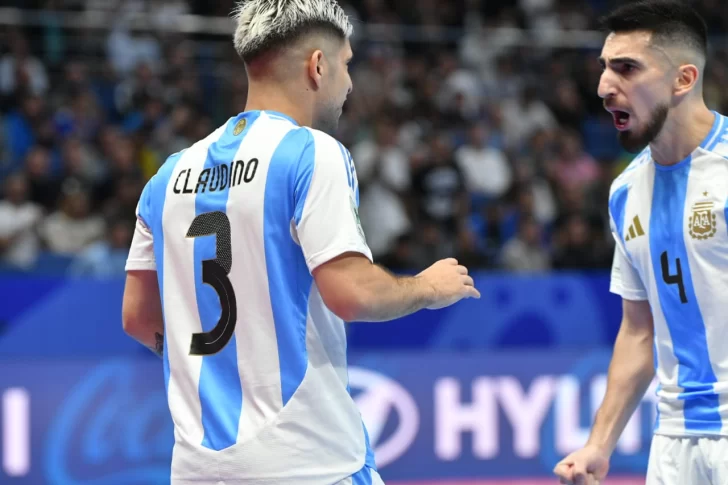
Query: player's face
point(337, 88)
point(636, 88)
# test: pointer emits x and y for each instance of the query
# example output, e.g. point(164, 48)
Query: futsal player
point(668, 215)
point(247, 259)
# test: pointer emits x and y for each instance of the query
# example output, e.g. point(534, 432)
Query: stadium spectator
point(383, 171)
point(525, 252)
point(20, 71)
point(486, 169)
point(74, 226)
point(458, 136)
point(19, 219)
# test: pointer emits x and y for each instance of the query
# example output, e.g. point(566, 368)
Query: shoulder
point(621, 185)
point(324, 152)
point(716, 144)
point(329, 156)
point(636, 168)
point(288, 139)
point(326, 146)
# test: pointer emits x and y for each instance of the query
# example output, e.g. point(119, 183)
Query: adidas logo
point(635, 229)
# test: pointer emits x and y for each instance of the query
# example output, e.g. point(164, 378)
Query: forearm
point(386, 297)
point(141, 313)
point(149, 334)
point(630, 374)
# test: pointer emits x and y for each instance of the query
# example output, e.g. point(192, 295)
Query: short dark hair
point(670, 21)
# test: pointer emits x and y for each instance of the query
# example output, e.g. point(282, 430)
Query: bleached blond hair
point(262, 24)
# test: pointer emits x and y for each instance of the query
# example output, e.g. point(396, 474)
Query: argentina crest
point(240, 126)
point(702, 222)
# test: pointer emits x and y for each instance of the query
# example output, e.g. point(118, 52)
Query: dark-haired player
point(668, 215)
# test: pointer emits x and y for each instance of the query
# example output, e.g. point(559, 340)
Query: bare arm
point(142, 310)
point(332, 240)
point(357, 290)
point(630, 373)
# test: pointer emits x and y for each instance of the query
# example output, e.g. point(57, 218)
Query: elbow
point(128, 325)
point(349, 310)
point(129, 321)
point(350, 306)
point(644, 376)
point(345, 286)
point(648, 368)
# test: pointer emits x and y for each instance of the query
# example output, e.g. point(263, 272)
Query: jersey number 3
point(673, 279)
point(215, 273)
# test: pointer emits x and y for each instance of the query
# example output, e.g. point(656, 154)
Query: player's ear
point(316, 68)
point(688, 76)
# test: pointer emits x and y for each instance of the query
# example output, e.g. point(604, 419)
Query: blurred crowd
point(468, 140)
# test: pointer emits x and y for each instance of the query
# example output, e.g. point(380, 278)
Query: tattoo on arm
point(159, 344)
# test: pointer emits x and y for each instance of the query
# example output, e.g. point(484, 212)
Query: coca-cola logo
point(111, 431)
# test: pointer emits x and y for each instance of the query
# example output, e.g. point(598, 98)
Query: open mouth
point(621, 120)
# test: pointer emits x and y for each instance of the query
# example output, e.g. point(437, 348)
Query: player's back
point(255, 364)
point(670, 226)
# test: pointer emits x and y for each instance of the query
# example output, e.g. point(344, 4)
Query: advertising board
point(430, 416)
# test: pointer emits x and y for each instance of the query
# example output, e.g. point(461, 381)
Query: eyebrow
point(619, 60)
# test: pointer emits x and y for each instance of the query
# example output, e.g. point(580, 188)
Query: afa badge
point(702, 224)
point(240, 126)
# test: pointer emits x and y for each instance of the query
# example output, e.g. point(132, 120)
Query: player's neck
point(684, 130)
point(262, 97)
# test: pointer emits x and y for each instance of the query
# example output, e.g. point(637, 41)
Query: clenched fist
point(587, 466)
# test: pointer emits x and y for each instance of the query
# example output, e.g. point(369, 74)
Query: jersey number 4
point(215, 273)
point(673, 279)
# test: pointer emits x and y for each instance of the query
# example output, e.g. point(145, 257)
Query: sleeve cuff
point(140, 265)
point(634, 295)
point(322, 257)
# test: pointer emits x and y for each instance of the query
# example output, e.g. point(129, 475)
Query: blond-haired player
point(247, 258)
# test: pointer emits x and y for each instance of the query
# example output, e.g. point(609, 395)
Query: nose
point(607, 85)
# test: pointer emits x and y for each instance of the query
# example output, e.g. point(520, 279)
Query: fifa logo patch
point(355, 212)
point(702, 224)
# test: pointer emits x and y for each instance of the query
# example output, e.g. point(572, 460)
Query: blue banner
point(554, 310)
point(68, 317)
point(430, 416)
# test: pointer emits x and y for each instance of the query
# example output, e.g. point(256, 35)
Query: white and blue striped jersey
point(254, 362)
point(669, 223)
